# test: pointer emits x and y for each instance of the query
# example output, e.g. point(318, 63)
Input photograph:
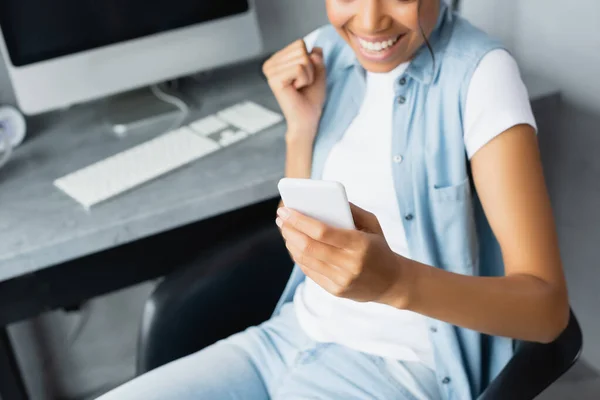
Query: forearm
point(520, 306)
point(298, 159)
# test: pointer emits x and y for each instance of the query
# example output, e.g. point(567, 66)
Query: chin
point(377, 67)
point(381, 66)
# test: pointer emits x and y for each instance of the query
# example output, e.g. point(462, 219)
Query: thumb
point(365, 221)
point(316, 56)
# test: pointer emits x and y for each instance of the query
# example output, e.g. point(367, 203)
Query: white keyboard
point(131, 168)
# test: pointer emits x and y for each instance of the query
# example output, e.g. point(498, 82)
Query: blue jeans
point(276, 360)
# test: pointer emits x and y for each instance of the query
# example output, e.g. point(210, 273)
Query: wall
point(561, 40)
point(555, 39)
point(494, 16)
point(283, 21)
point(57, 361)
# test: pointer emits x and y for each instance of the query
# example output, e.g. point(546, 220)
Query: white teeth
point(377, 46)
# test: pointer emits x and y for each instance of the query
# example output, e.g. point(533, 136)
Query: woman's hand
point(297, 80)
point(354, 264)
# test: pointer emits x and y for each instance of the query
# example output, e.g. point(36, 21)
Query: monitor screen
point(39, 30)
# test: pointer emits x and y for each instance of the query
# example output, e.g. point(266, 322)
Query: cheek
point(408, 16)
point(338, 13)
point(429, 15)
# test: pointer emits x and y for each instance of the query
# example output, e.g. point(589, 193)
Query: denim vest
point(443, 219)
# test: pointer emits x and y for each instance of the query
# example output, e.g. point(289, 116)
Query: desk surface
point(40, 226)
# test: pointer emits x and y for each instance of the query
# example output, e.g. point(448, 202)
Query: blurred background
point(77, 354)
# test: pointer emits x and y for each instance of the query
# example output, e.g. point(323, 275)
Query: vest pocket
point(454, 224)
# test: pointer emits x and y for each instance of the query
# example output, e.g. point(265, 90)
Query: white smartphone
point(325, 201)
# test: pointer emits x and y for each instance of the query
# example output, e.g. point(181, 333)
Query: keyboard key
point(250, 117)
point(229, 137)
point(208, 126)
point(260, 114)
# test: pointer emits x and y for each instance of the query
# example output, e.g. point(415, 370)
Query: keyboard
point(124, 171)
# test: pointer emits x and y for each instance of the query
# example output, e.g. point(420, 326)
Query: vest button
point(401, 100)
point(398, 159)
point(446, 380)
point(409, 217)
point(403, 81)
point(433, 329)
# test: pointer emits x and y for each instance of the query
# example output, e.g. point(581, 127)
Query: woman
point(413, 110)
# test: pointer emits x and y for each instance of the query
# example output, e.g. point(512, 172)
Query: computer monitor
point(65, 52)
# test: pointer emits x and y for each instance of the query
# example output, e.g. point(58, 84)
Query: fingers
point(322, 281)
point(316, 56)
point(317, 230)
point(297, 76)
point(302, 60)
point(296, 48)
point(291, 66)
point(309, 247)
point(365, 221)
point(319, 271)
point(302, 258)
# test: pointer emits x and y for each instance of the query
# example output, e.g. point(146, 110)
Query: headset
point(12, 131)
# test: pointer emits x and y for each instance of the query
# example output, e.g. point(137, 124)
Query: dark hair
point(427, 43)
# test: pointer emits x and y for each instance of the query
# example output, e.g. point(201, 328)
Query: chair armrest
point(535, 366)
point(235, 286)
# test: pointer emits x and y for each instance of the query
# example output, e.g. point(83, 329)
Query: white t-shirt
point(496, 101)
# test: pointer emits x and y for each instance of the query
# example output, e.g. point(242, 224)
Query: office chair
point(238, 285)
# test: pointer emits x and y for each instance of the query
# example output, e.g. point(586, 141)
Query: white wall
point(283, 21)
point(494, 16)
point(561, 40)
point(557, 39)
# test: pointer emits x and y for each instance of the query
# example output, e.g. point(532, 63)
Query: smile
point(381, 49)
point(377, 46)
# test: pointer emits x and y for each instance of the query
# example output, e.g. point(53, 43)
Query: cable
point(68, 342)
point(173, 100)
point(5, 145)
point(84, 317)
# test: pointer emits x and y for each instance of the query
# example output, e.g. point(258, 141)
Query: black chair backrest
point(536, 366)
point(235, 286)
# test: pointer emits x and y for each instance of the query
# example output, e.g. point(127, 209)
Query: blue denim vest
point(443, 219)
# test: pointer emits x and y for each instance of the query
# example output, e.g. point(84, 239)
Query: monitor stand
point(139, 112)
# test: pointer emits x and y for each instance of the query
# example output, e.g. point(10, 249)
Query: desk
point(55, 254)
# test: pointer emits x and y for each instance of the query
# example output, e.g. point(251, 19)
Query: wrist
point(405, 286)
point(300, 136)
point(299, 145)
point(298, 160)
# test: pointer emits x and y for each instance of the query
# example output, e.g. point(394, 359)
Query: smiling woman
point(383, 34)
point(386, 45)
point(426, 122)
